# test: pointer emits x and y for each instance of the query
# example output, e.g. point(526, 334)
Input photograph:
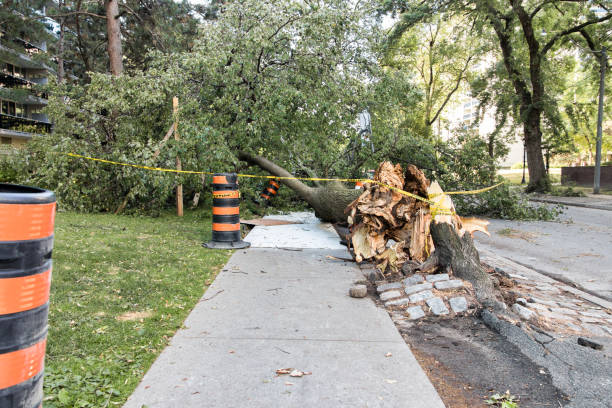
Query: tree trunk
point(329, 202)
point(115, 54)
point(460, 254)
point(538, 181)
point(60, 48)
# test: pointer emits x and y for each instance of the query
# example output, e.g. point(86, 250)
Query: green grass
point(516, 178)
point(121, 287)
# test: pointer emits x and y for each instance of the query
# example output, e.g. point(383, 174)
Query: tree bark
point(329, 202)
point(60, 48)
point(538, 180)
point(530, 96)
point(460, 254)
point(115, 54)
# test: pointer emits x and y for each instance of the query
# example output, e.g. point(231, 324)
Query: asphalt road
point(577, 248)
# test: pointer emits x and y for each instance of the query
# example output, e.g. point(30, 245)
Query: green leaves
point(503, 400)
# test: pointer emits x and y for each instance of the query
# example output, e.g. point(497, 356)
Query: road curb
point(572, 204)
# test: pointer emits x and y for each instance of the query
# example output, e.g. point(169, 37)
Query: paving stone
point(545, 302)
point(523, 312)
point(415, 312)
point(437, 278)
point(387, 286)
point(421, 296)
point(590, 314)
point(587, 319)
point(413, 280)
point(451, 284)
point(417, 288)
point(358, 291)
point(458, 304)
point(563, 310)
point(538, 306)
point(574, 327)
point(390, 295)
point(555, 316)
point(437, 306)
point(397, 302)
point(545, 287)
point(609, 330)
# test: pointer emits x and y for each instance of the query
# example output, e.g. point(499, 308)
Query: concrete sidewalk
point(273, 308)
point(595, 201)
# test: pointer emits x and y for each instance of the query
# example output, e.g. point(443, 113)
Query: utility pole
point(603, 63)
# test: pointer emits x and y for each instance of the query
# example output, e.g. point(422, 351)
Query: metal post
point(524, 160)
point(604, 61)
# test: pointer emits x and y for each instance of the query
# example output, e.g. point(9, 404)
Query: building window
point(6, 140)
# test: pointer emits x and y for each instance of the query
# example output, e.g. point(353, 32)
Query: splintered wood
point(391, 229)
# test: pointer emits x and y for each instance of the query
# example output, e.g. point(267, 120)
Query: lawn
point(516, 178)
point(121, 287)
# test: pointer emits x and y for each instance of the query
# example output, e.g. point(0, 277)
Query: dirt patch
point(132, 316)
point(467, 363)
point(514, 233)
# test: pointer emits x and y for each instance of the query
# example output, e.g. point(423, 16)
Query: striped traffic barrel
point(26, 240)
point(270, 191)
point(226, 213)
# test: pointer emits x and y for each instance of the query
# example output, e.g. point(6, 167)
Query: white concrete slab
point(311, 234)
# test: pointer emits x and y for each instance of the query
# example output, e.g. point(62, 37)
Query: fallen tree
point(329, 201)
point(402, 233)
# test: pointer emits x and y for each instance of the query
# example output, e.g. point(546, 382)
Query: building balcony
point(19, 126)
point(16, 82)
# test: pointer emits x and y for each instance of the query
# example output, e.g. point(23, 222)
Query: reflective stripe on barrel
point(226, 210)
point(21, 222)
point(270, 190)
point(21, 365)
point(25, 292)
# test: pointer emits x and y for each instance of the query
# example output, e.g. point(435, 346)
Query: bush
point(568, 191)
point(504, 202)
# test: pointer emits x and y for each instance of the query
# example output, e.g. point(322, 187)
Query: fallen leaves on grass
point(132, 316)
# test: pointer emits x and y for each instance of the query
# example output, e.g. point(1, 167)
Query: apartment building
point(21, 96)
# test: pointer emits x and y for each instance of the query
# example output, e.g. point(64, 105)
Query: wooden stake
point(179, 188)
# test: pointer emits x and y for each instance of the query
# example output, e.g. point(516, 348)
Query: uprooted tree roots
point(403, 233)
point(398, 232)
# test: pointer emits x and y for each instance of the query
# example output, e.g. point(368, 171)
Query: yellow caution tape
point(481, 190)
point(398, 190)
point(137, 165)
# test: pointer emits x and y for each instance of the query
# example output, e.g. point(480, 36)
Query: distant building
point(21, 97)
point(464, 114)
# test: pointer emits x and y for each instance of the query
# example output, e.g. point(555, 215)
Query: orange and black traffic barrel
point(226, 213)
point(270, 191)
point(27, 216)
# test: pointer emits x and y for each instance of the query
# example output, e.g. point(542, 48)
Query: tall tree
point(543, 27)
point(113, 30)
point(440, 54)
point(527, 33)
